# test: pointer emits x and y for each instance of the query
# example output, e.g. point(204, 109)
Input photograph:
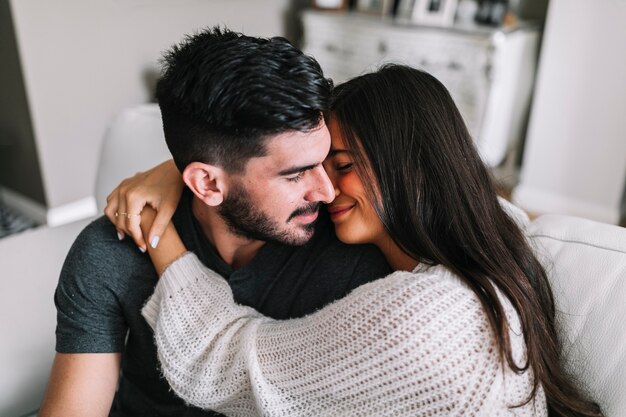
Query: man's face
point(278, 196)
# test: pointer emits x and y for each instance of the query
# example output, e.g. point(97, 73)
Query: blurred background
point(542, 86)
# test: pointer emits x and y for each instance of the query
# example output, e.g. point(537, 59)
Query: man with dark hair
point(243, 119)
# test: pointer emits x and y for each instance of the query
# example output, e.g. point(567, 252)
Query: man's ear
point(207, 182)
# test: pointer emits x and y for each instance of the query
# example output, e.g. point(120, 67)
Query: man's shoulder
point(102, 282)
point(98, 252)
point(99, 239)
point(96, 231)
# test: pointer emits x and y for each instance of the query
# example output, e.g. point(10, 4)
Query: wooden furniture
point(489, 72)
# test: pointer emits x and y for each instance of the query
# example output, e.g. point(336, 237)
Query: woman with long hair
point(465, 326)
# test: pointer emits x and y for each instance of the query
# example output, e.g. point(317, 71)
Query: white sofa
point(30, 263)
point(586, 263)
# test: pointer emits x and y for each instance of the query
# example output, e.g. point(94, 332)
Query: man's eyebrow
point(295, 170)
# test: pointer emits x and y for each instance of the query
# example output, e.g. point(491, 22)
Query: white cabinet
point(575, 153)
point(489, 72)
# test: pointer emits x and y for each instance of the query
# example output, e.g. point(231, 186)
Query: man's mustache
point(311, 208)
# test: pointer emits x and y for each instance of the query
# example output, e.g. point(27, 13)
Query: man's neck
point(235, 250)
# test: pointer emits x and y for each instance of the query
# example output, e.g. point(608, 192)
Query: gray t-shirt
point(104, 283)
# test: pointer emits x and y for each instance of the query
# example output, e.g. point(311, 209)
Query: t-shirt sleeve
point(89, 314)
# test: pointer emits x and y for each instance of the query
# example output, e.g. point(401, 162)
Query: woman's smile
point(338, 212)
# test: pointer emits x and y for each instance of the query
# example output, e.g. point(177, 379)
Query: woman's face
point(352, 213)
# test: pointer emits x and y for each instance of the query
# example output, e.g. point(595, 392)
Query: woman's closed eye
point(343, 167)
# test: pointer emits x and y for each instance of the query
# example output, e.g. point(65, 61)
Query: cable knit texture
point(410, 344)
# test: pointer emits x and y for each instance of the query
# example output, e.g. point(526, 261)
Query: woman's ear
point(207, 182)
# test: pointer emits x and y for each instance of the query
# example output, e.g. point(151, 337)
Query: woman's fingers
point(120, 215)
point(111, 211)
point(135, 203)
point(133, 225)
point(118, 212)
point(159, 188)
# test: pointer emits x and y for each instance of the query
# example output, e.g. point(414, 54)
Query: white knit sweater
point(409, 344)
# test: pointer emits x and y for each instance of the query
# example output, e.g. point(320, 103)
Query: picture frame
point(404, 10)
point(434, 12)
point(330, 4)
point(378, 7)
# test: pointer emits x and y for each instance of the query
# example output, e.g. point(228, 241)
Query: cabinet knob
point(331, 47)
point(382, 47)
point(455, 66)
point(336, 49)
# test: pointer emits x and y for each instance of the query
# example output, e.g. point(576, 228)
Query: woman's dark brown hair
point(437, 200)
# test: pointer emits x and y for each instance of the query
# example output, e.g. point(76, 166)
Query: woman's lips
point(337, 212)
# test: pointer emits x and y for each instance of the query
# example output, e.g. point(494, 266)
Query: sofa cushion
point(30, 263)
point(133, 142)
point(586, 264)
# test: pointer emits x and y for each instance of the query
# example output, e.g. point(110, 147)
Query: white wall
point(84, 60)
point(575, 155)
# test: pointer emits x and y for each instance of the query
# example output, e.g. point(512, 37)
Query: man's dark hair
point(222, 93)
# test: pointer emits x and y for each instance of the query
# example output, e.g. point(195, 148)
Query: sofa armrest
point(586, 264)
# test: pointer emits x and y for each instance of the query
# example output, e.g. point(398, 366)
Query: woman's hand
point(170, 248)
point(159, 187)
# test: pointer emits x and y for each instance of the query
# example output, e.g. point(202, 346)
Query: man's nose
point(321, 187)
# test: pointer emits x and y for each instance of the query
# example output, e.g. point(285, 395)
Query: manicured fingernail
point(142, 249)
point(120, 235)
point(154, 242)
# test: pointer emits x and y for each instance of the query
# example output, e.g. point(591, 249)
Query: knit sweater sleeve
point(407, 344)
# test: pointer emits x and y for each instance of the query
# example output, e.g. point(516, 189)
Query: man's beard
point(245, 220)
